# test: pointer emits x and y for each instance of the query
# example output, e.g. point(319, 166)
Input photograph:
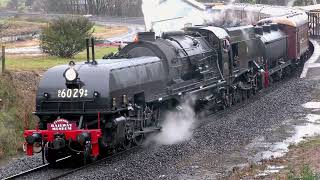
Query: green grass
point(44, 62)
point(313, 142)
point(99, 29)
point(306, 173)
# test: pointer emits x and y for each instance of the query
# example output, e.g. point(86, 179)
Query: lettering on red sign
point(62, 125)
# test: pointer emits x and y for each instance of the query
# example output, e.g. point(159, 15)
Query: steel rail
point(94, 163)
point(34, 169)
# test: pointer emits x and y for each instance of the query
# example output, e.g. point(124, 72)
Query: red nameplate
point(62, 125)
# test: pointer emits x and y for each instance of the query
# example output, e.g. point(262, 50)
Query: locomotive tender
point(96, 106)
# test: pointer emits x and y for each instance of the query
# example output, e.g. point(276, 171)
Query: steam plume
point(178, 125)
point(172, 15)
point(291, 3)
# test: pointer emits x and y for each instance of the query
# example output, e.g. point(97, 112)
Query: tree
point(16, 4)
point(65, 37)
point(248, 1)
point(3, 27)
point(128, 8)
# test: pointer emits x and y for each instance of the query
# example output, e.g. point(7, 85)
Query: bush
point(65, 37)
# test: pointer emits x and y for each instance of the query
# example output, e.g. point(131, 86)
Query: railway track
point(21, 174)
point(66, 173)
point(94, 163)
point(27, 172)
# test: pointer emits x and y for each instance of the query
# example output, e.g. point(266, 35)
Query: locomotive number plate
point(72, 93)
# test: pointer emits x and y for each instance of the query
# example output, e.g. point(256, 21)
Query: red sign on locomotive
point(62, 125)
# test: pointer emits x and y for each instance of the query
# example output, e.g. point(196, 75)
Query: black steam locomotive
point(92, 107)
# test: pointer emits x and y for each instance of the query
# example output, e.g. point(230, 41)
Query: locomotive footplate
point(148, 130)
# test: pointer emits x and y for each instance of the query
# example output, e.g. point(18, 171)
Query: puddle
point(270, 170)
point(312, 105)
point(293, 132)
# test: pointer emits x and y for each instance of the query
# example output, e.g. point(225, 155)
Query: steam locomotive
point(98, 106)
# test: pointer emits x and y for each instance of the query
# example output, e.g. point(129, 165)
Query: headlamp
point(71, 74)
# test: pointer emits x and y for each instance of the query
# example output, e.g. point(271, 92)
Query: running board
point(148, 130)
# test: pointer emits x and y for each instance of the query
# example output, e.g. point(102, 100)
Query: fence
point(314, 23)
point(3, 59)
point(25, 36)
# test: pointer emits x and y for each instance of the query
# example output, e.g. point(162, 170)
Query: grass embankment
point(15, 114)
point(41, 63)
point(302, 162)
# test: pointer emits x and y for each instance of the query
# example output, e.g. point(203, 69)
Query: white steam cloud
point(291, 3)
point(178, 125)
point(172, 15)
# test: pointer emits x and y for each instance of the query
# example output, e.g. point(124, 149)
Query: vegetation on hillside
point(15, 115)
point(306, 173)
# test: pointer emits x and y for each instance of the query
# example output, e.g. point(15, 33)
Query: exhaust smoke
point(291, 3)
point(172, 15)
point(178, 125)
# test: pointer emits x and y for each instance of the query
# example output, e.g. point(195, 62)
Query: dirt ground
point(14, 28)
point(26, 43)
